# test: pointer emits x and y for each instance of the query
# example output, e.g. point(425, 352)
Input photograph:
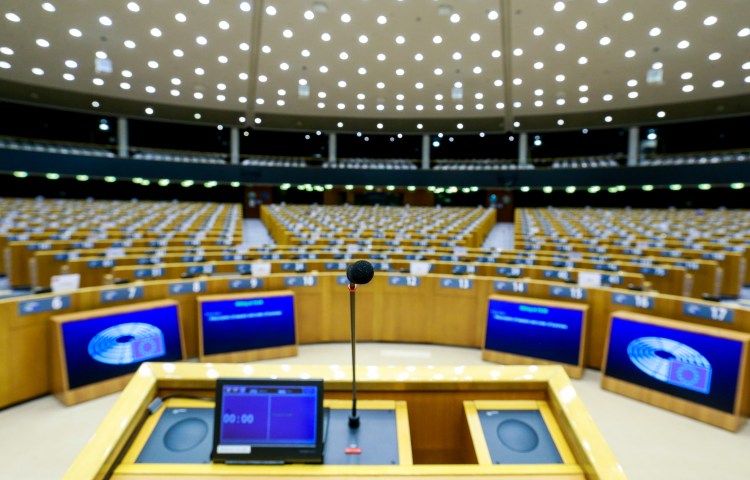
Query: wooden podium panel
point(433, 396)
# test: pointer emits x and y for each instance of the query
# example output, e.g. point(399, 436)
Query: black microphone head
point(360, 272)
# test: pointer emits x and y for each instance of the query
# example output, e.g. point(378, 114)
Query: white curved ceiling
point(390, 65)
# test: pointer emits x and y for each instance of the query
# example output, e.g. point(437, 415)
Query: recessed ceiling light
point(630, 54)
point(517, 81)
point(125, 85)
point(419, 85)
point(518, 52)
point(655, 32)
point(418, 57)
point(686, 76)
point(560, 78)
point(581, 25)
point(344, 56)
point(561, 122)
point(341, 106)
point(683, 44)
point(380, 107)
point(496, 54)
point(155, 32)
point(632, 83)
point(284, 66)
point(242, 99)
point(101, 55)
point(75, 32)
point(583, 100)
point(419, 107)
point(346, 18)
point(538, 92)
point(342, 84)
point(98, 82)
point(744, 32)
point(382, 20)
point(127, 73)
point(661, 114)
point(456, 56)
point(559, 6)
point(400, 40)
point(688, 88)
point(400, 71)
point(560, 101)
point(627, 16)
point(69, 77)
point(134, 7)
point(305, 53)
point(106, 21)
point(710, 20)
point(265, 49)
point(718, 84)
point(13, 17)
point(498, 83)
point(326, 37)
point(150, 89)
point(48, 7)
point(262, 78)
point(287, 33)
point(583, 61)
point(68, 63)
point(560, 47)
point(260, 101)
point(222, 59)
point(437, 39)
point(381, 57)
point(177, 52)
point(323, 69)
point(363, 39)
point(180, 17)
point(129, 44)
point(438, 71)
point(176, 81)
point(438, 107)
point(224, 25)
point(153, 64)
point(538, 31)
point(477, 70)
point(245, 6)
point(271, 10)
point(517, 104)
point(679, 5)
point(499, 105)
point(198, 95)
point(174, 93)
point(459, 107)
point(475, 37)
point(280, 102)
point(455, 18)
point(539, 65)
point(493, 15)
point(607, 97)
point(538, 103)
point(604, 41)
point(244, 47)
point(95, 104)
point(714, 56)
point(583, 88)
point(42, 42)
point(608, 118)
point(632, 94)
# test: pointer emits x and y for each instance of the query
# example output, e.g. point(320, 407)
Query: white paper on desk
point(65, 283)
point(589, 279)
point(260, 269)
point(419, 268)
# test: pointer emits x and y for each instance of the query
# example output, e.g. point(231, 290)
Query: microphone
point(358, 273)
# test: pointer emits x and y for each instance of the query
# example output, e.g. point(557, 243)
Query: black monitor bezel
point(271, 454)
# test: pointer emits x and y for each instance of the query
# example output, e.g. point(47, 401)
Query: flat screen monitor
point(237, 323)
point(268, 421)
point(693, 363)
point(524, 330)
point(93, 346)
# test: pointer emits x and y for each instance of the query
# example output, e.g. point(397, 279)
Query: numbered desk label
point(118, 294)
point(149, 273)
point(512, 287)
point(630, 300)
point(148, 260)
point(716, 313)
point(404, 281)
point(335, 266)
point(713, 256)
point(561, 274)
point(655, 271)
point(301, 281)
point(245, 283)
point(342, 280)
point(463, 269)
point(575, 293)
point(384, 266)
point(294, 267)
point(611, 280)
point(198, 269)
point(510, 271)
point(460, 283)
point(187, 287)
point(30, 307)
point(108, 263)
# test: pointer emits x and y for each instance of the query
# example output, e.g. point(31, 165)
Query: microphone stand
point(353, 417)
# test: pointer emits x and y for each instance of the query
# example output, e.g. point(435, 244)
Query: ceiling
point(382, 65)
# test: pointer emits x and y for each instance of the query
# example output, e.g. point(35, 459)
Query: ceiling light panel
point(383, 41)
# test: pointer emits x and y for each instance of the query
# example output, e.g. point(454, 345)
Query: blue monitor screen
point(247, 323)
point(108, 346)
point(692, 366)
point(534, 330)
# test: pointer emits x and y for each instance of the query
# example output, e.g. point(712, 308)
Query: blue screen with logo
point(692, 366)
point(546, 332)
point(110, 345)
point(247, 323)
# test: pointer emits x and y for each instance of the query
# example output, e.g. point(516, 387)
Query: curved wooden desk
point(435, 395)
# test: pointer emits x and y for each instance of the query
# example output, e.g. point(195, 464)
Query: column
point(234, 146)
point(122, 137)
point(523, 148)
point(425, 152)
point(634, 139)
point(332, 148)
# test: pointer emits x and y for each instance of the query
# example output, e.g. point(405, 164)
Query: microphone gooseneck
point(358, 273)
